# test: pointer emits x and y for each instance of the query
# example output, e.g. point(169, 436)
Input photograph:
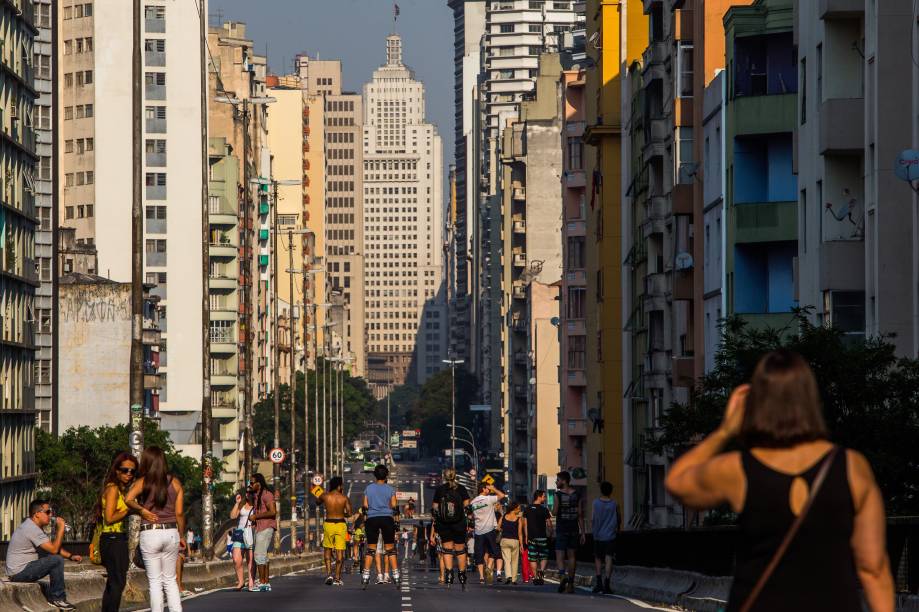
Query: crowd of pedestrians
point(811, 518)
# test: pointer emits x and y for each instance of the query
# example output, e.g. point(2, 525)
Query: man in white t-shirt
point(486, 529)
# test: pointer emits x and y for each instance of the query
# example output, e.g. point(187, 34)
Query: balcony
point(681, 199)
point(520, 227)
point(155, 26)
point(223, 379)
point(520, 358)
point(577, 428)
point(765, 222)
point(155, 259)
point(577, 378)
point(152, 381)
point(766, 114)
point(155, 226)
point(156, 126)
point(842, 127)
point(156, 59)
point(219, 215)
point(519, 292)
point(845, 9)
point(519, 325)
point(222, 249)
point(682, 285)
point(683, 372)
point(152, 337)
point(656, 284)
point(156, 192)
point(520, 194)
point(154, 92)
point(654, 55)
point(223, 278)
point(520, 260)
point(842, 265)
point(156, 160)
point(575, 179)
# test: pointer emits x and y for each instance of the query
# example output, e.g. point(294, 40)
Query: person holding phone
point(242, 539)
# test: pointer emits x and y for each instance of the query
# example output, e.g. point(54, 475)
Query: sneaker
point(380, 579)
point(598, 585)
point(329, 581)
point(62, 604)
point(562, 584)
point(499, 576)
point(365, 579)
point(265, 587)
point(569, 586)
point(462, 579)
point(481, 580)
point(338, 583)
point(255, 588)
point(489, 575)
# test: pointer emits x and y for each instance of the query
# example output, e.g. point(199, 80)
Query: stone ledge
point(84, 588)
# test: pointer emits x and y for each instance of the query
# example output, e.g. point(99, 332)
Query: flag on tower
point(395, 11)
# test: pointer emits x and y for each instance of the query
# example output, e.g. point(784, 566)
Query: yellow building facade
point(618, 32)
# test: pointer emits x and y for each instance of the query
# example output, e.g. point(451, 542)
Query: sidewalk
point(85, 583)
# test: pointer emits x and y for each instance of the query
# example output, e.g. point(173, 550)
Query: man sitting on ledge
point(22, 561)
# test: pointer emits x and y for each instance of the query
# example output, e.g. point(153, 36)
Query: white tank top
point(244, 513)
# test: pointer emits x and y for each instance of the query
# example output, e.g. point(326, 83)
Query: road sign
point(480, 407)
point(409, 444)
point(409, 433)
point(459, 452)
point(317, 480)
point(906, 168)
point(277, 455)
point(317, 491)
point(487, 479)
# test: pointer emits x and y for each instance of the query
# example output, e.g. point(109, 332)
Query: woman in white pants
point(161, 527)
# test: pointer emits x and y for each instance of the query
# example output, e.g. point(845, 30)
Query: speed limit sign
point(277, 455)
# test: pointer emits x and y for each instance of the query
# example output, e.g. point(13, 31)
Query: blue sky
point(354, 31)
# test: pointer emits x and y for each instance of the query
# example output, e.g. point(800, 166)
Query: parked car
point(368, 466)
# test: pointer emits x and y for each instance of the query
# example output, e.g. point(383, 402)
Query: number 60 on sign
point(277, 455)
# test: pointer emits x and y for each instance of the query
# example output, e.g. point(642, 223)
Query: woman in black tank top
point(841, 544)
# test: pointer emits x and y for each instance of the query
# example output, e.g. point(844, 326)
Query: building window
point(577, 352)
point(576, 297)
point(575, 153)
point(684, 61)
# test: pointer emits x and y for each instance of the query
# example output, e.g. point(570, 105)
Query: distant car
point(347, 468)
point(368, 466)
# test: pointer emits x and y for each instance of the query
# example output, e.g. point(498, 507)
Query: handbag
point(792, 532)
point(526, 573)
point(95, 552)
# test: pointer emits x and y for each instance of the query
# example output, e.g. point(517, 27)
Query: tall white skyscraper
point(403, 217)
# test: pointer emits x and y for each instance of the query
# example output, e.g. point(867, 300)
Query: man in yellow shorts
point(335, 529)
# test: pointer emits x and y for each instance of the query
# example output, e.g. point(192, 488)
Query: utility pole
point(388, 435)
point(453, 363)
point(293, 415)
point(316, 379)
point(306, 420)
point(136, 412)
point(276, 353)
point(207, 498)
point(247, 301)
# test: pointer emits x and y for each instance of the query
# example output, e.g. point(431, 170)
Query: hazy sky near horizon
point(354, 31)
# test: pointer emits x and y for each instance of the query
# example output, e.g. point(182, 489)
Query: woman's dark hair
point(512, 506)
point(112, 477)
point(783, 407)
point(156, 476)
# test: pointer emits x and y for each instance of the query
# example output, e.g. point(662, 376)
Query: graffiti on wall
point(96, 305)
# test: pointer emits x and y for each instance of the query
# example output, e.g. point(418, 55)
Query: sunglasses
point(48, 511)
point(125, 470)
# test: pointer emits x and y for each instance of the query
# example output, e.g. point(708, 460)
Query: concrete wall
point(95, 338)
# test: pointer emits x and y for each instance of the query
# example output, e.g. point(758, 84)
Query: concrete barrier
point(84, 588)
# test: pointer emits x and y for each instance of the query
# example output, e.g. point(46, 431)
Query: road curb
point(685, 590)
point(84, 589)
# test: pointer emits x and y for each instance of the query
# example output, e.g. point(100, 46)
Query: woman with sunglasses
point(162, 526)
point(111, 511)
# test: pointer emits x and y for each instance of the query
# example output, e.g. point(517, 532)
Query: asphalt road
point(419, 593)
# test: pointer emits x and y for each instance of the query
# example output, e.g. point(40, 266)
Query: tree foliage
point(870, 398)
point(358, 408)
point(72, 466)
point(431, 410)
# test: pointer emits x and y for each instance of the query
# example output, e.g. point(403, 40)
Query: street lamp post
point(470, 442)
point(453, 363)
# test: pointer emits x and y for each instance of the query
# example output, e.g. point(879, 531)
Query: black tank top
point(509, 529)
point(818, 569)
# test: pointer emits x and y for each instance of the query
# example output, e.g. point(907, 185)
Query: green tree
point(870, 398)
point(431, 411)
point(358, 406)
point(72, 466)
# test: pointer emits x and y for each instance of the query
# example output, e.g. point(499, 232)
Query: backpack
point(450, 508)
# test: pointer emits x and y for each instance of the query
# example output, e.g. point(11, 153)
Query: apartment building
point(237, 117)
point(468, 31)
point(19, 276)
point(516, 33)
point(573, 295)
point(761, 189)
point(44, 188)
point(714, 227)
point(855, 112)
point(96, 172)
point(343, 150)
point(403, 221)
